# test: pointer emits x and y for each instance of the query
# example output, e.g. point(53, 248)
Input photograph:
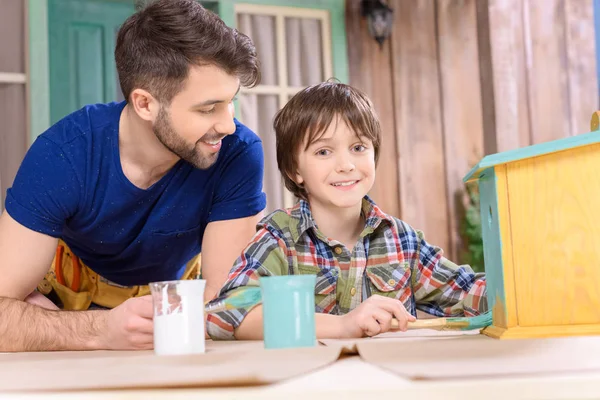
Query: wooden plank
point(503, 75)
point(508, 263)
point(556, 238)
point(547, 69)
point(486, 77)
point(462, 120)
point(419, 122)
point(581, 56)
point(370, 71)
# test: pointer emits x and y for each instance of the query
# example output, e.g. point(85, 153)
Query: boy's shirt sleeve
point(266, 255)
point(441, 287)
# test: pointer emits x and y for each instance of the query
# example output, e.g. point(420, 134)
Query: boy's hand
point(374, 316)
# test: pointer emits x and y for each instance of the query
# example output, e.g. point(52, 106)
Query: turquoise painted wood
point(532, 151)
point(39, 90)
point(82, 35)
point(336, 10)
point(492, 241)
point(212, 5)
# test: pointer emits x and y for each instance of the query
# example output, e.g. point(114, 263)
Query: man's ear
point(144, 104)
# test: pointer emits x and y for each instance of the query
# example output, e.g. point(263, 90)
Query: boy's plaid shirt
point(390, 259)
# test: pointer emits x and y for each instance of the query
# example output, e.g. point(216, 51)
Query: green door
point(82, 35)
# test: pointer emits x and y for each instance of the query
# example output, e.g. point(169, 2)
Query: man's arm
point(222, 244)
point(25, 257)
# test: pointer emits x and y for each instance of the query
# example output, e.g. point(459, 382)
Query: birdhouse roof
point(531, 151)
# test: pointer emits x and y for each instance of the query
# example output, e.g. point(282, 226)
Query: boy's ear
point(298, 179)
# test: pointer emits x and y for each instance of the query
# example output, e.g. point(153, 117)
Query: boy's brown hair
point(157, 45)
point(306, 117)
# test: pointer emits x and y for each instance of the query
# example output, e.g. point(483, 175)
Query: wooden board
point(556, 237)
point(503, 75)
point(417, 101)
point(582, 69)
point(370, 71)
point(462, 120)
point(547, 72)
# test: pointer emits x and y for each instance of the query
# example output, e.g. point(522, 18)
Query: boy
point(370, 267)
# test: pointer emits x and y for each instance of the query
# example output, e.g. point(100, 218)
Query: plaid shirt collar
point(301, 212)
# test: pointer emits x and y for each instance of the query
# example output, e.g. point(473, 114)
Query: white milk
point(178, 317)
point(181, 333)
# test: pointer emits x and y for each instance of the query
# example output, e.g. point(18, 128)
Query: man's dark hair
point(157, 45)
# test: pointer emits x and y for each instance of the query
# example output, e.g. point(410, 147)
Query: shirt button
point(353, 291)
point(391, 282)
point(338, 250)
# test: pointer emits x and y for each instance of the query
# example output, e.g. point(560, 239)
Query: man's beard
point(165, 133)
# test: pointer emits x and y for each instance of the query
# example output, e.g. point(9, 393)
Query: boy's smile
point(346, 185)
point(338, 169)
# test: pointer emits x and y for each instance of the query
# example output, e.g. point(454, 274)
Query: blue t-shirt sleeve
point(46, 191)
point(239, 192)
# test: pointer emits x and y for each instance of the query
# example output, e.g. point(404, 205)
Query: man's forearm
point(26, 327)
point(251, 328)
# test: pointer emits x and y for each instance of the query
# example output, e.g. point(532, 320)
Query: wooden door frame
point(38, 68)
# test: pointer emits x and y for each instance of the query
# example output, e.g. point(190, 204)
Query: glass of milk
point(178, 316)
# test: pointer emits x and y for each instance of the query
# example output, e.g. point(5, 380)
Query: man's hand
point(374, 316)
point(129, 326)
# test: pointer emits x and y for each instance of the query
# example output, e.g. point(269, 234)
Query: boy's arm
point(441, 287)
point(266, 255)
point(251, 328)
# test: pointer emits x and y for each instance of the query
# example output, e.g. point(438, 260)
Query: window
point(298, 44)
point(294, 49)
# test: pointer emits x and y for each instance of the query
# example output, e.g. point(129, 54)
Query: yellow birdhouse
point(540, 217)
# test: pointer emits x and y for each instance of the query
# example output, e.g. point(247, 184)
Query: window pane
point(13, 134)
point(257, 112)
point(12, 36)
point(304, 46)
point(261, 29)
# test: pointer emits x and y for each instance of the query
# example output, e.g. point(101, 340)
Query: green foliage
point(471, 231)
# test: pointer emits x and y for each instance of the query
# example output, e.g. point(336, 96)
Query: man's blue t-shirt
point(71, 186)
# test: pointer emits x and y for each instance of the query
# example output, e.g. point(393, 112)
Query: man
point(116, 196)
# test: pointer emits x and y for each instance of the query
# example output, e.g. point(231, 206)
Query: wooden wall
point(460, 79)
